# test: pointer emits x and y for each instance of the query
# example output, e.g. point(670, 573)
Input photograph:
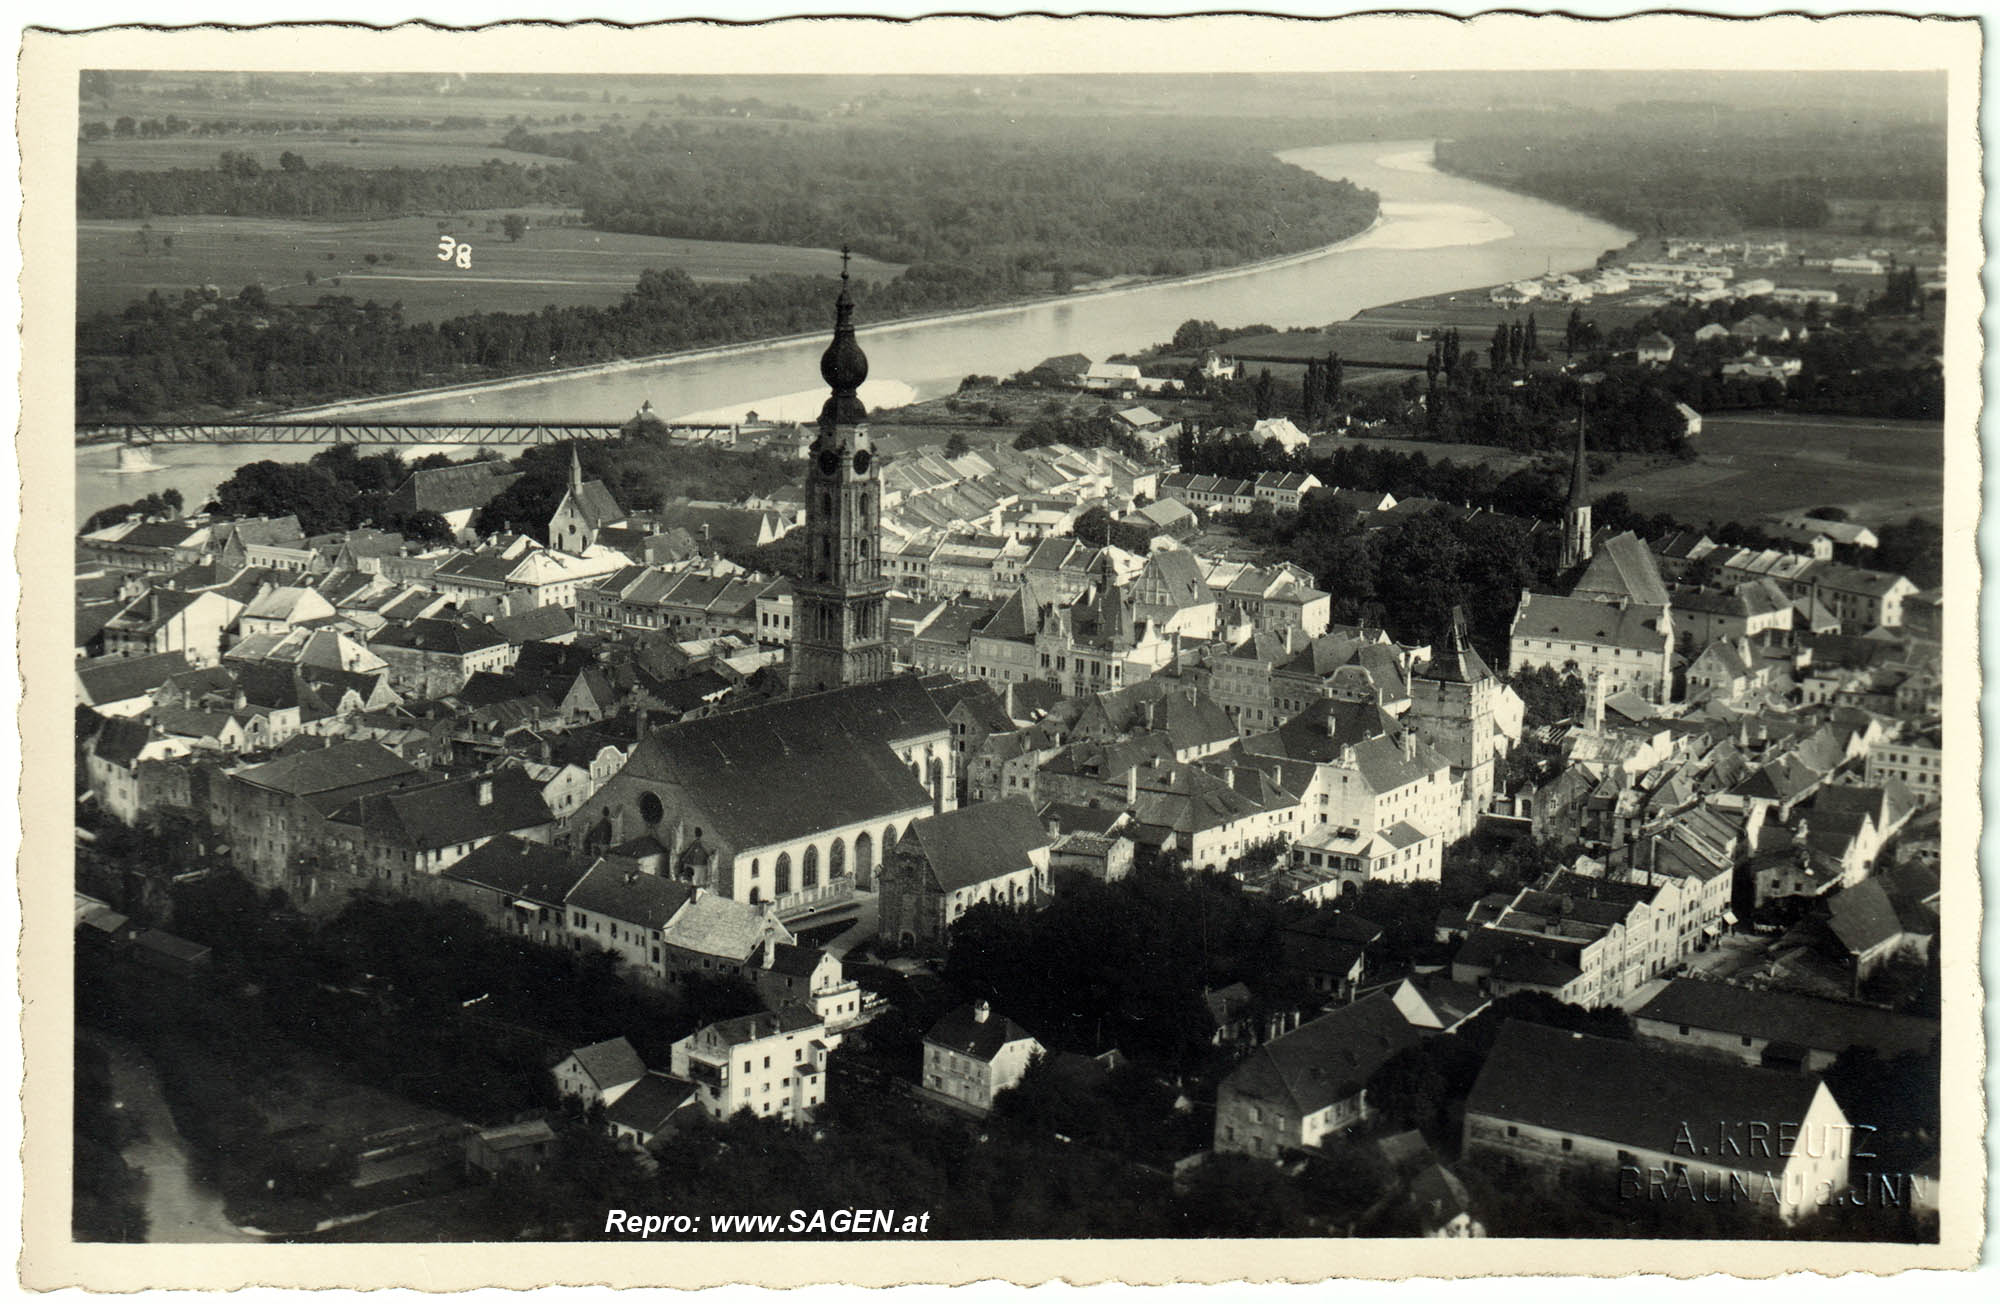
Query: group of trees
point(1705, 170)
point(1026, 195)
point(240, 186)
point(1854, 361)
point(105, 1203)
point(337, 489)
point(163, 505)
point(127, 127)
point(1123, 964)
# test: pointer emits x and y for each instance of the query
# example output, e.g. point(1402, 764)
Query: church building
point(586, 507)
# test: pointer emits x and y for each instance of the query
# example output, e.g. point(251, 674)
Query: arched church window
point(809, 868)
point(784, 874)
point(836, 860)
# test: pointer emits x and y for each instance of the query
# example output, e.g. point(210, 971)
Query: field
point(1754, 464)
point(1475, 315)
point(360, 149)
point(118, 262)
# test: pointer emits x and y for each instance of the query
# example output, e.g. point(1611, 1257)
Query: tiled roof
point(450, 812)
point(610, 1063)
point(1581, 1085)
point(617, 889)
point(1326, 1060)
point(120, 679)
point(517, 867)
point(977, 843)
point(716, 925)
point(1787, 1017)
point(963, 1032)
point(650, 1103)
point(1579, 620)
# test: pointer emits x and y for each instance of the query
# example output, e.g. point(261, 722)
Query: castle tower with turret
point(1452, 699)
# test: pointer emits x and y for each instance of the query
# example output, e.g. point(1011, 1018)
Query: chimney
point(1409, 744)
point(639, 729)
point(981, 1011)
point(486, 792)
point(1132, 786)
point(1597, 696)
point(1007, 699)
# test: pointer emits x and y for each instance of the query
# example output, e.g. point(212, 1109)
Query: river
point(179, 1209)
point(1436, 233)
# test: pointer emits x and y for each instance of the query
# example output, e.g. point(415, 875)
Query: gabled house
point(600, 1073)
point(516, 885)
point(945, 864)
point(1296, 1089)
point(1567, 1104)
point(654, 1106)
point(411, 832)
point(972, 1055)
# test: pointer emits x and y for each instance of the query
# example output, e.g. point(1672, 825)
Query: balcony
point(810, 899)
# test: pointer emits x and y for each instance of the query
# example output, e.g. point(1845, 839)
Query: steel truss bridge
point(468, 433)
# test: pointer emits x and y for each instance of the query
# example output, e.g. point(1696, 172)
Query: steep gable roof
point(977, 843)
point(1622, 567)
point(964, 1032)
point(1327, 1060)
point(451, 811)
point(121, 679)
point(650, 1104)
point(610, 1063)
point(517, 867)
point(615, 888)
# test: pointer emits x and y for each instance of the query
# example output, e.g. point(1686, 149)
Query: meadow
point(360, 149)
point(1749, 465)
point(119, 261)
point(1752, 464)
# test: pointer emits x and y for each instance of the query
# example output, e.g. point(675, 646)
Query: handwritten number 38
point(451, 251)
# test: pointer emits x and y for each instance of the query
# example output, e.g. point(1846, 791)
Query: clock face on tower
point(829, 461)
point(861, 461)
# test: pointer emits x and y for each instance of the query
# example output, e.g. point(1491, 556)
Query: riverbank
point(892, 326)
point(1431, 233)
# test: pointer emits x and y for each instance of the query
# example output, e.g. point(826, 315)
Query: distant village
point(619, 741)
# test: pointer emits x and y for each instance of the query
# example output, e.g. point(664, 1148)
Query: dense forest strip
point(987, 219)
point(1682, 169)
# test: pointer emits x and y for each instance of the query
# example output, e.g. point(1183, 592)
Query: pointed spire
point(575, 469)
point(1460, 662)
point(1579, 471)
point(843, 366)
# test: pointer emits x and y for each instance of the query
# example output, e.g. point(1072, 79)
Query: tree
point(291, 162)
point(956, 446)
point(321, 502)
point(1548, 696)
point(1094, 527)
point(514, 226)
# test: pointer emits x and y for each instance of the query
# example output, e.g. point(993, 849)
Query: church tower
point(840, 619)
point(1576, 516)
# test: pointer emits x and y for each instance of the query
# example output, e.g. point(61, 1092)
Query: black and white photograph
point(699, 657)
